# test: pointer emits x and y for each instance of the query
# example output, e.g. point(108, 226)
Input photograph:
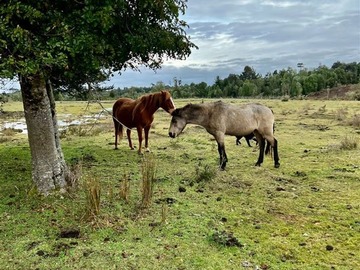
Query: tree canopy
point(74, 42)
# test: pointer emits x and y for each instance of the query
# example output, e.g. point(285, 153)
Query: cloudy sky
point(263, 34)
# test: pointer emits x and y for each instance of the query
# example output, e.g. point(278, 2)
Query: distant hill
point(343, 92)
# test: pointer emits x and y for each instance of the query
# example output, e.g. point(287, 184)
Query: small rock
point(70, 233)
point(40, 253)
point(329, 247)
point(223, 219)
point(106, 239)
point(315, 189)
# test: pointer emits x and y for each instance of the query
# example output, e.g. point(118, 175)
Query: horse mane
point(144, 101)
point(193, 110)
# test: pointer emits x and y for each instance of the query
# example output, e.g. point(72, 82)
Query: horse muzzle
point(172, 135)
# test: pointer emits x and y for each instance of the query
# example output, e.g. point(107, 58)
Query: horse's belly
point(240, 129)
point(239, 132)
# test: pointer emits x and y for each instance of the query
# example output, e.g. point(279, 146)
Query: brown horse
point(220, 119)
point(139, 114)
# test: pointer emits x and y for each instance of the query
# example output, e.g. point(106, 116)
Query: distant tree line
point(286, 82)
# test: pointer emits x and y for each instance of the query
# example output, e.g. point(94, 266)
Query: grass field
point(303, 215)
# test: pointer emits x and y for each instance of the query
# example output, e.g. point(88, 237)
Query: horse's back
point(120, 102)
point(241, 120)
point(259, 116)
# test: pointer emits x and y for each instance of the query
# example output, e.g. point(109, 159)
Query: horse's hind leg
point(118, 133)
point(274, 144)
point(248, 141)
point(261, 142)
point(128, 133)
point(276, 154)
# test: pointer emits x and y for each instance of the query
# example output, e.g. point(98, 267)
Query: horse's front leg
point(139, 131)
point(146, 130)
point(128, 133)
point(222, 154)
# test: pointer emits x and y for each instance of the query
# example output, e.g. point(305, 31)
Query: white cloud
point(266, 35)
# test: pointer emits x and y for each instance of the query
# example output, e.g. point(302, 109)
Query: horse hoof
point(277, 165)
point(147, 150)
point(257, 164)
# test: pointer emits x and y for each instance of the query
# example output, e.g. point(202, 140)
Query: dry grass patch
point(125, 187)
point(148, 171)
point(349, 143)
point(92, 194)
point(355, 121)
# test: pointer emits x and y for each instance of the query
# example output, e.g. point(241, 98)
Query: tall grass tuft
point(355, 121)
point(92, 194)
point(125, 187)
point(340, 114)
point(164, 211)
point(349, 143)
point(148, 170)
point(204, 173)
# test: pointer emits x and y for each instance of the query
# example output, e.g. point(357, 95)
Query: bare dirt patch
point(343, 92)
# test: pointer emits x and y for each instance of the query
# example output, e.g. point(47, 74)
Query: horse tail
point(268, 149)
point(117, 125)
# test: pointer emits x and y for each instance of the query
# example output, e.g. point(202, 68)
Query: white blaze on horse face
point(172, 102)
point(172, 105)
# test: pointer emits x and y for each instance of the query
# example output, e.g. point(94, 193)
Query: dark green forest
point(280, 83)
point(285, 82)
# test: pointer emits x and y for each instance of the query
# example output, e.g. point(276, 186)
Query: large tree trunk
point(49, 169)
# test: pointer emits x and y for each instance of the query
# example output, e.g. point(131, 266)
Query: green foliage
point(205, 173)
point(79, 42)
point(286, 82)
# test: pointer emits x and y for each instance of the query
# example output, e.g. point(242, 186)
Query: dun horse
point(220, 119)
point(139, 114)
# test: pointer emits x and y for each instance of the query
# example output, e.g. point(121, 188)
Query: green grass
point(304, 215)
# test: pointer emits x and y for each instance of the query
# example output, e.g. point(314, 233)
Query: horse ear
point(175, 112)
